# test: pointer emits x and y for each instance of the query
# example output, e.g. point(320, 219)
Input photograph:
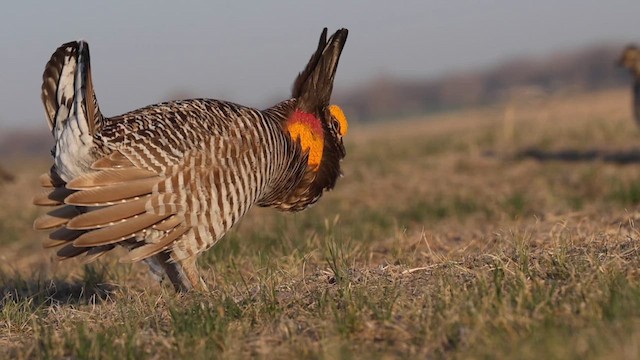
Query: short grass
point(442, 240)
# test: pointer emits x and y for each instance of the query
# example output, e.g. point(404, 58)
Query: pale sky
point(250, 51)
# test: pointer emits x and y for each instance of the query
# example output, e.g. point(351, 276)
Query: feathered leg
point(175, 272)
point(190, 269)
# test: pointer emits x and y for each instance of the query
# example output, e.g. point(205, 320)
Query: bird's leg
point(190, 269)
point(175, 271)
point(156, 270)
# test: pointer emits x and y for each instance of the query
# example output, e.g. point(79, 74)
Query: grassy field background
point(500, 232)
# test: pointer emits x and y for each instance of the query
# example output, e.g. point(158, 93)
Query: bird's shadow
point(37, 292)
point(631, 156)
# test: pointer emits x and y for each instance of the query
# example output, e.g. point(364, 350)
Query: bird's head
point(318, 125)
point(630, 59)
point(313, 130)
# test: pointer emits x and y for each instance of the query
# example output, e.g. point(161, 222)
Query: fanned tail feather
point(67, 87)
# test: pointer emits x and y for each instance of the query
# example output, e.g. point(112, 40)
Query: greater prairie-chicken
point(630, 59)
point(169, 180)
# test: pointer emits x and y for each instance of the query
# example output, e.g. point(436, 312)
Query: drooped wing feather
point(184, 208)
point(104, 208)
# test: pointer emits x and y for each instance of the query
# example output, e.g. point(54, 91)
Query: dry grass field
point(503, 232)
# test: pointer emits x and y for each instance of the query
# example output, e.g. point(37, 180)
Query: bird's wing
point(144, 210)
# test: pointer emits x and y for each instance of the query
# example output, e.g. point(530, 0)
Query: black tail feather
point(68, 64)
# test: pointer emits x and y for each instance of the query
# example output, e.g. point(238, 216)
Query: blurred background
point(401, 59)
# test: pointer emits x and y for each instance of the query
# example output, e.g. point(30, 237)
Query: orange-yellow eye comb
point(337, 113)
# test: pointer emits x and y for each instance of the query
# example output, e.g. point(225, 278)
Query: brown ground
point(500, 232)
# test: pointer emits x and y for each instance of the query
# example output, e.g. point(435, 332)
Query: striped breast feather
point(158, 136)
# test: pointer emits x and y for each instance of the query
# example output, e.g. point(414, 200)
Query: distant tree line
point(589, 69)
point(5, 175)
point(31, 142)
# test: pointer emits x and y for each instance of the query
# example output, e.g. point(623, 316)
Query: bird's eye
point(336, 125)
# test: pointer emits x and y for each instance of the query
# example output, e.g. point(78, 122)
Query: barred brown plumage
point(169, 180)
point(630, 59)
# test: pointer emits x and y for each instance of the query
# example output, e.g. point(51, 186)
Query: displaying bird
point(630, 59)
point(167, 181)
